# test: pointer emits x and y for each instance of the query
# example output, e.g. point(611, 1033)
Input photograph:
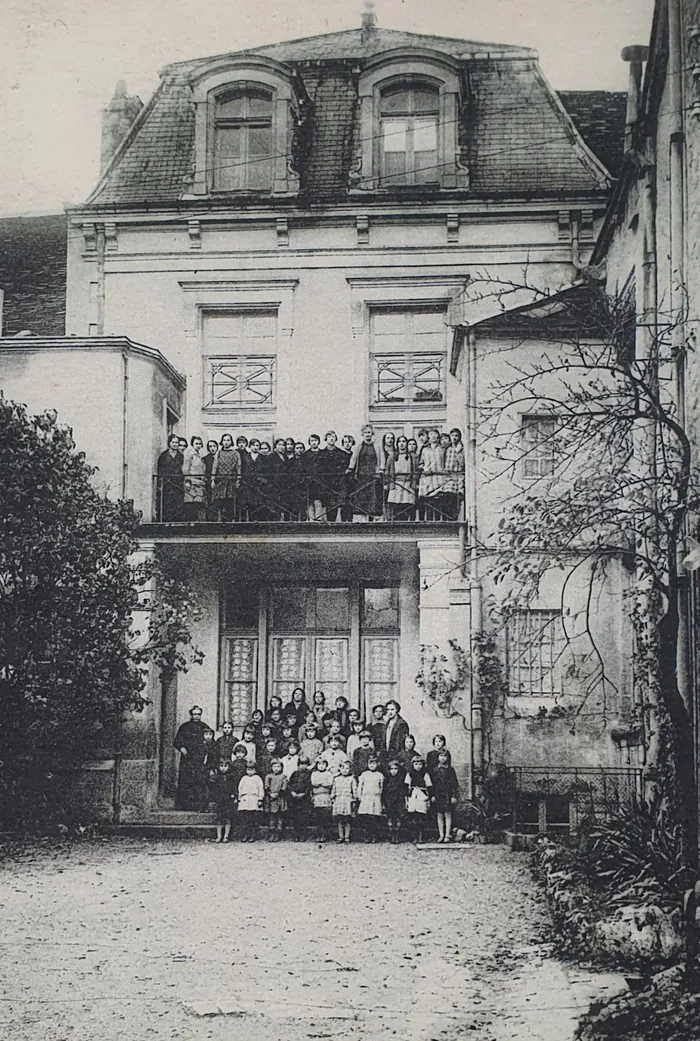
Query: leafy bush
point(634, 857)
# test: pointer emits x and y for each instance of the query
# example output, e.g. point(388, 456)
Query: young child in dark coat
point(224, 790)
point(418, 793)
point(444, 793)
point(276, 798)
point(363, 754)
point(439, 745)
point(299, 795)
point(394, 798)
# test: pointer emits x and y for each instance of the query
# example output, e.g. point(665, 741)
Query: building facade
point(285, 242)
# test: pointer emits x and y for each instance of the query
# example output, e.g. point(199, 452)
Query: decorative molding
point(194, 229)
point(111, 241)
point(586, 229)
point(362, 224)
point(282, 231)
point(453, 227)
point(89, 237)
point(564, 221)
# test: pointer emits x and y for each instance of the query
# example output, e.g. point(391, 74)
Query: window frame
point(246, 123)
point(411, 117)
point(226, 76)
point(515, 652)
point(411, 69)
point(532, 459)
point(212, 353)
point(409, 407)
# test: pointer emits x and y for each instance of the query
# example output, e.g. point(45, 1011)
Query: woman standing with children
point(311, 780)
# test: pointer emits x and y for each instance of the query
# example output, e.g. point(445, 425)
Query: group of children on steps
point(329, 782)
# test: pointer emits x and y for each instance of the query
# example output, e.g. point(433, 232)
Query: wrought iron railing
point(319, 497)
point(558, 799)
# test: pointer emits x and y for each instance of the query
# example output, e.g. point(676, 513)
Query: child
point(299, 793)
point(224, 745)
point(256, 721)
point(321, 784)
point(210, 762)
point(341, 714)
point(369, 792)
point(311, 746)
point(334, 756)
point(274, 705)
point(274, 718)
point(262, 737)
point(363, 754)
point(377, 727)
point(238, 766)
point(418, 786)
point(275, 792)
point(343, 797)
point(286, 737)
point(445, 791)
point(269, 752)
point(394, 798)
point(334, 731)
point(320, 709)
point(353, 717)
point(251, 793)
point(354, 740)
point(309, 718)
point(248, 740)
point(408, 752)
point(290, 761)
point(431, 760)
point(224, 791)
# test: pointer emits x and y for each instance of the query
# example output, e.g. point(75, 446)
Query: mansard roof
point(519, 138)
point(599, 116)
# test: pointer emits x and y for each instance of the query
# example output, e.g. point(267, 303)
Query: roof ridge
point(481, 44)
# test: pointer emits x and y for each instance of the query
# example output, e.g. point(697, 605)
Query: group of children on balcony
point(399, 479)
point(302, 766)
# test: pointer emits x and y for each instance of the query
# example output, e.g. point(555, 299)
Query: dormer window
point(409, 135)
point(410, 129)
point(243, 141)
point(245, 116)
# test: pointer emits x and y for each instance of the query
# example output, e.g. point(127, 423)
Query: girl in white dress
point(369, 792)
point(343, 799)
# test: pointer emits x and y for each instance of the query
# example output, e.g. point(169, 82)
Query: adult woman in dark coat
point(193, 776)
point(396, 730)
point(171, 482)
point(298, 705)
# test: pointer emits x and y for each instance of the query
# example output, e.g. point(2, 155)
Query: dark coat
point(171, 486)
point(399, 734)
point(445, 788)
point(394, 795)
point(193, 777)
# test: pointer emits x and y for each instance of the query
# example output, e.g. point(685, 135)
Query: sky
point(60, 60)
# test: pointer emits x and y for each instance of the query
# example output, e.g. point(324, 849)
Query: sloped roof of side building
point(522, 139)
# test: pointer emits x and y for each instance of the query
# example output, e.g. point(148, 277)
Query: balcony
point(333, 501)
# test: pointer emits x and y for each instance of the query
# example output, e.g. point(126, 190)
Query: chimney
point(117, 117)
point(635, 56)
point(369, 21)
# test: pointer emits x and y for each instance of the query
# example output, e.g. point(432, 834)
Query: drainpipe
point(125, 425)
point(676, 179)
point(100, 246)
point(475, 599)
point(678, 289)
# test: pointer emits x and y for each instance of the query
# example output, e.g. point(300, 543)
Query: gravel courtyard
point(161, 941)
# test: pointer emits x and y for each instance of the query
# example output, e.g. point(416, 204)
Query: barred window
point(409, 359)
point(535, 644)
point(240, 367)
point(538, 443)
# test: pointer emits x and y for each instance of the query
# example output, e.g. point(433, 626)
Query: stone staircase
point(163, 822)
